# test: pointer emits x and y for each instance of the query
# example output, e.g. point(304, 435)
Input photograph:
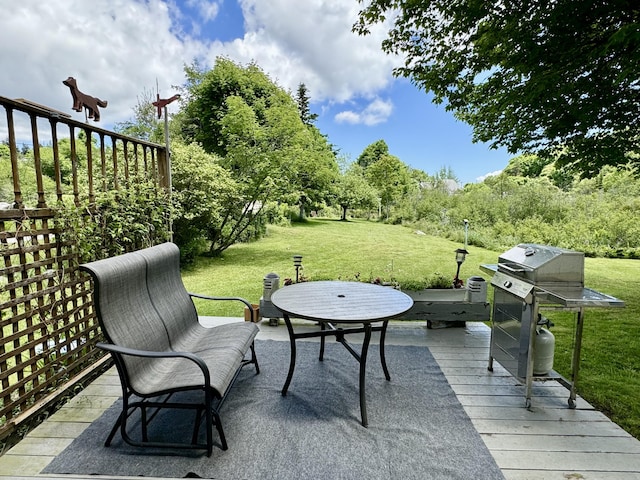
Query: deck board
point(559, 443)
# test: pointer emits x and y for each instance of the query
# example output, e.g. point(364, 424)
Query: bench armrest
point(117, 349)
point(238, 299)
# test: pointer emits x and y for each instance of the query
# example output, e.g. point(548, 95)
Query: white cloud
point(376, 112)
point(311, 42)
point(348, 116)
point(114, 48)
point(117, 49)
point(490, 174)
point(208, 10)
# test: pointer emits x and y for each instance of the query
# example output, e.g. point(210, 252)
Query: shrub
point(117, 221)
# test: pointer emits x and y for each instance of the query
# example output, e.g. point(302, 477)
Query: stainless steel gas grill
point(527, 279)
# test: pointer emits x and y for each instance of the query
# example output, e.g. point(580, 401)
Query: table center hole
point(341, 296)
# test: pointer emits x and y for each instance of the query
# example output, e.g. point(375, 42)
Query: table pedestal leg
point(340, 337)
point(292, 362)
point(363, 370)
point(322, 328)
point(383, 360)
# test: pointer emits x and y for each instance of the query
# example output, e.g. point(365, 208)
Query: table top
point(341, 302)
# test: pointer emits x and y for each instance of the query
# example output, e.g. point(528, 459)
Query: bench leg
point(223, 440)
point(122, 420)
point(114, 429)
point(254, 358)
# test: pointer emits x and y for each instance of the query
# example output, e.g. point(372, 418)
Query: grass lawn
point(331, 249)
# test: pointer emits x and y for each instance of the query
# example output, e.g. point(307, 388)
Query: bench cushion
point(178, 312)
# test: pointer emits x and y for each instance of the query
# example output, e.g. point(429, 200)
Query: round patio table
point(330, 303)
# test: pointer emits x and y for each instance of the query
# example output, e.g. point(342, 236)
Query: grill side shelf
point(580, 297)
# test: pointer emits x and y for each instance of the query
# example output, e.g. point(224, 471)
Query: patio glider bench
point(160, 348)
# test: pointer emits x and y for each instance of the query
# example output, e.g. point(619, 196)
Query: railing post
point(74, 165)
point(56, 158)
point(92, 196)
point(13, 151)
point(164, 175)
point(36, 160)
point(145, 161)
point(103, 162)
point(114, 159)
point(125, 149)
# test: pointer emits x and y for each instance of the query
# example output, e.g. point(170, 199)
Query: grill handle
point(516, 270)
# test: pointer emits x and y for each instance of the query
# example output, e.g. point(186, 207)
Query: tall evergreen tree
point(302, 97)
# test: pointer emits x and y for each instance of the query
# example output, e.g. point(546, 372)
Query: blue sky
point(118, 49)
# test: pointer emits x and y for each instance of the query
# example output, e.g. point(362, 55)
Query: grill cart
point(530, 278)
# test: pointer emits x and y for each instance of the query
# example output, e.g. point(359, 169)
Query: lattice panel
point(48, 329)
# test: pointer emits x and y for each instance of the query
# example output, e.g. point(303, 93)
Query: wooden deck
point(547, 441)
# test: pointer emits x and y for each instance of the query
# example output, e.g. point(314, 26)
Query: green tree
point(278, 159)
point(315, 172)
point(557, 78)
point(372, 153)
point(391, 178)
point(526, 165)
point(202, 192)
point(302, 97)
point(353, 191)
point(256, 129)
point(205, 100)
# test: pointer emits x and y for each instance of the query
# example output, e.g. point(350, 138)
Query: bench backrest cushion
point(125, 311)
point(170, 296)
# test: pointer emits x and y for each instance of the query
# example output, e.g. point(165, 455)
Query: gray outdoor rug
point(417, 427)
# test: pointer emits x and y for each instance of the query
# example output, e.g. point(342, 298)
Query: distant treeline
point(599, 216)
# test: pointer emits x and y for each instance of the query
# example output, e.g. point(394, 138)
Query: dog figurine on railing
point(82, 100)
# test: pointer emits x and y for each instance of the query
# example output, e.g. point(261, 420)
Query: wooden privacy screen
point(48, 328)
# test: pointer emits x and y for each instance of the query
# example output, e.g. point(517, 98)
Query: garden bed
point(442, 307)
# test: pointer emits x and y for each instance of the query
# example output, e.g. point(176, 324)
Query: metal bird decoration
point(160, 103)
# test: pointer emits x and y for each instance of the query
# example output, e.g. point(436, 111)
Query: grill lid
point(551, 275)
point(543, 264)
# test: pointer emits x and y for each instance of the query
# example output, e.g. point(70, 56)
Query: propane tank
point(543, 351)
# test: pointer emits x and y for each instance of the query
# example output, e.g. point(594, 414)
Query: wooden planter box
point(446, 307)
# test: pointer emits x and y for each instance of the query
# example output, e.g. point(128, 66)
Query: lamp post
point(461, 253)
point(297, 262)
point(466, 232)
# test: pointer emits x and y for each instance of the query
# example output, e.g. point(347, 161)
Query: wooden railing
point(48, 328)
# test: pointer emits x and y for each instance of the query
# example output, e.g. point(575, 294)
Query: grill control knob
point(508, 284)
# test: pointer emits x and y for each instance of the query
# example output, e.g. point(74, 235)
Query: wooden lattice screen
point(48, 328)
